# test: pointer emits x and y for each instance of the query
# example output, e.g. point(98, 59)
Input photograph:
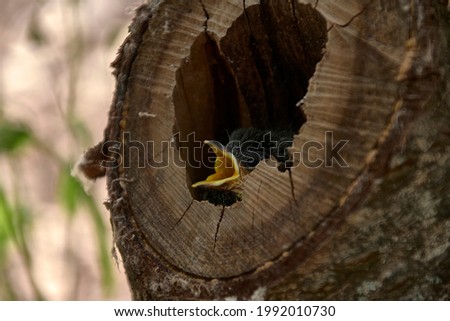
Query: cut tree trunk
point(364, 212)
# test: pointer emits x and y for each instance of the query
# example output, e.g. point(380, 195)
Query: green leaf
point(13, 136)
point(104, 254)
point(72, 196)
point(13, 223)
point(7, 231)
point(70, 191)
point(22, 223)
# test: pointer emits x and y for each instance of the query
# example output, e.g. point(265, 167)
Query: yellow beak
point(226, 166)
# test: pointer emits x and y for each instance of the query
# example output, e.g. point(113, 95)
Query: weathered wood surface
point(378, 228)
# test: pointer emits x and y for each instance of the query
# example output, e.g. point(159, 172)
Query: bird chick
point(245, 149)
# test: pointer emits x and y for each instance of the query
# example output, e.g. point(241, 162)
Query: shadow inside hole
point(252, 77)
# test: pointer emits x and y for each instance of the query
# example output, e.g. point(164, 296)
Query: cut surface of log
point(350, 78)
point(250, 72)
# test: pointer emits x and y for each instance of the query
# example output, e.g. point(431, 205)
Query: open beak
point(226, 166)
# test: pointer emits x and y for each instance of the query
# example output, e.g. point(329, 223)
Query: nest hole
point(253, 77)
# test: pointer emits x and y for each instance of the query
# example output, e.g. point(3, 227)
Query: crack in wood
point(218, 226)
point(317, 3)
point(292, 187)
point(182, 215)
point(205, 24)
point(351, 19)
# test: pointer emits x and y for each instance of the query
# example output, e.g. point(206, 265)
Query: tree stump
point(365, 212)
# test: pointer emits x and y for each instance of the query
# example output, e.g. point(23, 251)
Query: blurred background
point(55, 91)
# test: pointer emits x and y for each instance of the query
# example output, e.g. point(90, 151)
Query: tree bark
point(365, 213)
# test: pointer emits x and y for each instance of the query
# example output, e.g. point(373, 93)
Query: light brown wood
point(368, 69)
